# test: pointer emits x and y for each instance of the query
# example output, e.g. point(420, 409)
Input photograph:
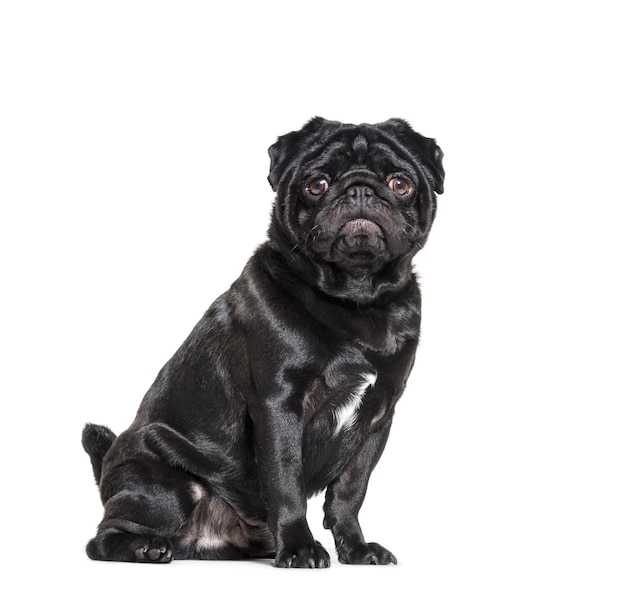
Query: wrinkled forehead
point(357, 147)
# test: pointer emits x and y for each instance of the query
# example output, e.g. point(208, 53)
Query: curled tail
point(97, 440)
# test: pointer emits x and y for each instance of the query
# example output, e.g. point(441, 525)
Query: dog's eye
point(317, 187)
point(399, 186)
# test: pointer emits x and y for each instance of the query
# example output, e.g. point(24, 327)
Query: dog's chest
point(341, 396)
point(344, 405)
point(345, 415)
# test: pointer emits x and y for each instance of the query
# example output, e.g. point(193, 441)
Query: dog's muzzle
point(360, 239)
point(361, 234)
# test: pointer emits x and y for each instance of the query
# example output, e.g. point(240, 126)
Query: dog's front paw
point(366, 554)
point(154, 550)
point(307, 555)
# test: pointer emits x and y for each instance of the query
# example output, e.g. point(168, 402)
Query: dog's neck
point(361, 285)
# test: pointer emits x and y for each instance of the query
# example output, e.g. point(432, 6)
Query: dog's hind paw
point(154, 550)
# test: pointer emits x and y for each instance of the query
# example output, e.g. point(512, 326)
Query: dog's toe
point(367, 554)
point(154, 550)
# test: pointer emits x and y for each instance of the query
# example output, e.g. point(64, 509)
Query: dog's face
point(354, 203)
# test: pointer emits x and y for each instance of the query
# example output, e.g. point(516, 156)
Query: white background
point(133, 171)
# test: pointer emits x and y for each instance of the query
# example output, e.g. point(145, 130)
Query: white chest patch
point(346, 415)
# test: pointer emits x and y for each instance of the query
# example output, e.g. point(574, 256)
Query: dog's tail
point(97, 441)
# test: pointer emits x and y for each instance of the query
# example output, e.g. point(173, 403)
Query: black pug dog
point(287, 386)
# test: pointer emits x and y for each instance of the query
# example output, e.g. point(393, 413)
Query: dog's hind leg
point(145, 503)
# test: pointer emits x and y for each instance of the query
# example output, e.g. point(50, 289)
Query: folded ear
point(284, 148)
point(424, 149)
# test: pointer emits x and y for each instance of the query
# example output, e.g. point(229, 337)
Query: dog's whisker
point(308, 235)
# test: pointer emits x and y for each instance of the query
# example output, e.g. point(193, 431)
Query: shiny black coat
point(287, 385)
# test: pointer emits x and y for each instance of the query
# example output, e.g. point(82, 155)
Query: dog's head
point(354, 203)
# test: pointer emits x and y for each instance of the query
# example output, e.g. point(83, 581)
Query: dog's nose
point(359, 192)
point(359, 196)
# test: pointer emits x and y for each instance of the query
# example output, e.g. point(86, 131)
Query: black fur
point(250, 416)
point(97, 441)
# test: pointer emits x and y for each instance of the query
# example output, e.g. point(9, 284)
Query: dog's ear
point(284, 148)
point(425, 150)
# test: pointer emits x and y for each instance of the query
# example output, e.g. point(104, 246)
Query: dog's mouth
point(359, 240)
point(361, 230)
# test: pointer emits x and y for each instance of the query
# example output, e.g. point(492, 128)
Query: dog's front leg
point(344, 498)
point(278, 443)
